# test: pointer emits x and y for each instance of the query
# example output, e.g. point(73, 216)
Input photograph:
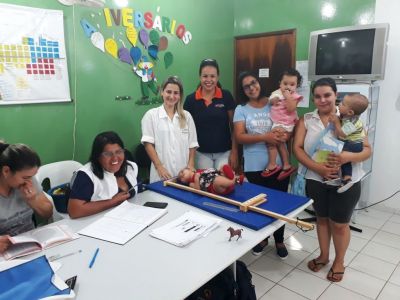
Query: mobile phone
point(71, 282)
point(156, 204)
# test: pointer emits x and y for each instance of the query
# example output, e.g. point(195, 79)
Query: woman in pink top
point(284, 116)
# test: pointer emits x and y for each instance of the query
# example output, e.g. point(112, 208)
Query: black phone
point(156, 204)
point(71, 282)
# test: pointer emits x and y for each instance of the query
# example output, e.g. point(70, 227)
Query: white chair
point(57, 173)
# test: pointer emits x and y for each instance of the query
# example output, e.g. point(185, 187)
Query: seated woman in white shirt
point(107, 180)
point(169, 134)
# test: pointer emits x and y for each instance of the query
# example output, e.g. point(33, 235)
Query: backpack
point(224, 287)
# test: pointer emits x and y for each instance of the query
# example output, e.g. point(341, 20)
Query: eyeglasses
point(247, 87)
point(110, 154)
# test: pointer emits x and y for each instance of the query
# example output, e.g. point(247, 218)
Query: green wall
point(96, 78)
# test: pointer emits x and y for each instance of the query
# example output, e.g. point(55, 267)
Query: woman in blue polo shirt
point(253, 129)
point(212, 109)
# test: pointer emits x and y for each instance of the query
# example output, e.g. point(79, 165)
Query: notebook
point(123, 222)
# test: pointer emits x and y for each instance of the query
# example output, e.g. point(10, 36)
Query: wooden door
point(274, 51)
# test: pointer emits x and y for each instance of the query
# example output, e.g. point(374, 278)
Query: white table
point(147, 268)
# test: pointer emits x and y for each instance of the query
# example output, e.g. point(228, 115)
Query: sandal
point(335, 276)
point(268, 172)
point(286, 173)
point(315, 265)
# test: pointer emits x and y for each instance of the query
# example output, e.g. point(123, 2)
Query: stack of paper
point(186, 229)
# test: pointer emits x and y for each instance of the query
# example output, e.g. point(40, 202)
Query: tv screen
point(355, 53)
point(348, 52)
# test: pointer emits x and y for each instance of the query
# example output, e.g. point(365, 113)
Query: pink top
point(279, 113)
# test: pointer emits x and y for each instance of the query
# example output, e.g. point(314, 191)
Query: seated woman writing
point(107, 180)
point(210, 180)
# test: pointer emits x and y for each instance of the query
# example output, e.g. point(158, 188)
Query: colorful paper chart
point(36, 57)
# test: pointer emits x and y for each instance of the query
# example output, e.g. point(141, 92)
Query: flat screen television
point(354, 53)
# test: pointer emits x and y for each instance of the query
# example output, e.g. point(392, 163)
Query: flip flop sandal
point(268, 172)
point(286, 173)
point(315, 265)
point(335, 276)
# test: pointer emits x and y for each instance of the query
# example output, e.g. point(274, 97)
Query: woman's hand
point(275, 136)
point(327, 171)
point(28, 191)
point(163, 173)
point(233, 160)
point(120, 197)
point(4, 243)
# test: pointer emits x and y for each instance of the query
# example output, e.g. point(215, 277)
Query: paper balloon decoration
point(154, 37)
point(136, 54)
point(111, 47)
point(97, 40)
point(168, 59)
point(144, 37)
point(132, 35)
point(124, 55)
point(163, 44)
point(153, 51)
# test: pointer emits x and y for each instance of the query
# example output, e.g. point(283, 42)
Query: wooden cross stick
point(240, 204)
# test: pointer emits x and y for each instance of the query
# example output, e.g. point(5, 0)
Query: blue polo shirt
point(212, 121)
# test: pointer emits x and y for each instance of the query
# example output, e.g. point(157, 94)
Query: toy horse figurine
point(234, 232)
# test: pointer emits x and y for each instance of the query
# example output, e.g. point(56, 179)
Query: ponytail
point(18, 157)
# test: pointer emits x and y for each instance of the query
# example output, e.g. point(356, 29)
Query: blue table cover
point(277, 201)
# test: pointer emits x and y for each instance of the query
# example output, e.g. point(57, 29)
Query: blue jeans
point(347, 168)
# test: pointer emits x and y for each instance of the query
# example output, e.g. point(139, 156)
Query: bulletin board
point(33, 63)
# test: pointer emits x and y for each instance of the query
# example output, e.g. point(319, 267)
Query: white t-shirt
point(314, 126)
point(171, 142)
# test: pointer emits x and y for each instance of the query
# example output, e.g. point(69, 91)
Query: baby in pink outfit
point(284, 117)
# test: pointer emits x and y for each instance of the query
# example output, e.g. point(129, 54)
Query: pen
point(58, 256)
point(190, 228)
point(94, 258)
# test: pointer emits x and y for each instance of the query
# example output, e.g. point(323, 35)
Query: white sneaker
point(345, 187)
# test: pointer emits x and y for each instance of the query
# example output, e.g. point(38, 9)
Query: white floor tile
point(335, 292)
point(303, 242)
point(281, 293)
point(271, 269)
point(395, 278)
point(361, 283)
point(357, 243)
point(249, 258)
point(261, 284)
point(367, 232)
point(395, 218)
point(367, 220)
point(390, 292)
point(295, 257)
point(373, 266)
point(387, 239)
point(376, 213)
point(304, 284)
point(391, 227)
point(383, 252)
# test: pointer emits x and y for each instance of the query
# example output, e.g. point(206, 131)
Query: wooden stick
point(237, 203)
point(252, 201)
point(282, 217)
point(203, 193)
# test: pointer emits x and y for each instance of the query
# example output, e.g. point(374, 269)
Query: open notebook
point(123, 222)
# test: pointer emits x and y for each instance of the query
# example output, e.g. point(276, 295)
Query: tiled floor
point(372, 263)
